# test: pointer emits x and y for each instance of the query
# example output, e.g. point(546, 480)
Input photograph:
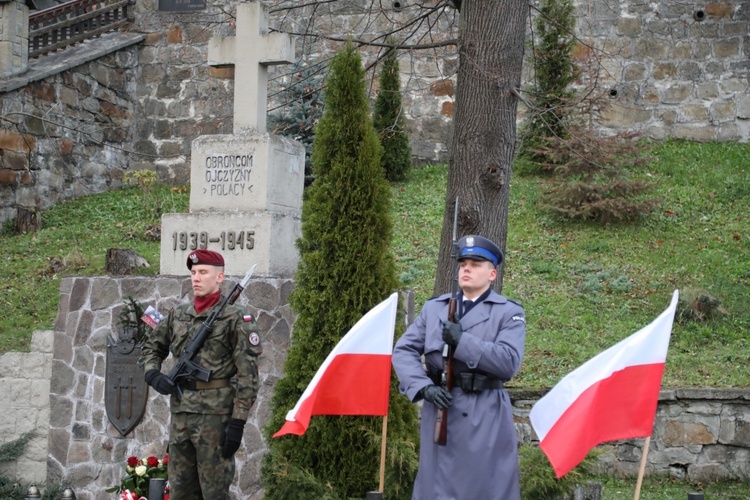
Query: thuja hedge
point(346, 268)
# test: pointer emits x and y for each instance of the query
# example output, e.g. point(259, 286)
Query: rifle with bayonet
point(185, 366)
point(446, 378)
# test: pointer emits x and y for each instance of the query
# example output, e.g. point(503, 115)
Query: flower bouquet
point(139, 472)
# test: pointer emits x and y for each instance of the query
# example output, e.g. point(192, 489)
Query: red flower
point(152, 462)
point(133, 461)
point(166, 460)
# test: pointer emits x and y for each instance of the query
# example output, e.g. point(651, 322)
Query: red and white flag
point(612, 396)
point(355, 378)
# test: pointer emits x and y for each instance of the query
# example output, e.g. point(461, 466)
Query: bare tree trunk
point(484, 134)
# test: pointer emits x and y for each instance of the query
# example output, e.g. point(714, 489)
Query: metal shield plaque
point(125, 390)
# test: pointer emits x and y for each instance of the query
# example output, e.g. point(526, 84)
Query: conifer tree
point(389, 122)
point(303, 105)
point(345, 269)
point(554, 71)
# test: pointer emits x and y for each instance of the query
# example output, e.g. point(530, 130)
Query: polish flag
point(610, 397)
point(355, 378)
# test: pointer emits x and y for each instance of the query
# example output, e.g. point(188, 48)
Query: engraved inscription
point(228, 175)
point(227, 240)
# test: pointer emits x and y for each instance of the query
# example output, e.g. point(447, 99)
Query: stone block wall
point(673, 69)
point(24, 390)
point(700, 435)
point(68, 134)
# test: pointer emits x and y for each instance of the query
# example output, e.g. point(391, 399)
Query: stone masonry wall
point(700, 435)
point(67, 135)
point(673, 69)
point(85, 450)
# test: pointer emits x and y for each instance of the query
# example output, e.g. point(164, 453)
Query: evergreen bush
point(554, 71)
point(388, 119)
point(11, 489)
point(302, 108)
point(592, 175)
point(538, 481)
point(346, 268)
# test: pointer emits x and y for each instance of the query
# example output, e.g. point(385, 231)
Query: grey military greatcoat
point(480, 458)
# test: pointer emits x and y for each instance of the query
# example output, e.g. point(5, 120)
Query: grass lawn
point(584, 286)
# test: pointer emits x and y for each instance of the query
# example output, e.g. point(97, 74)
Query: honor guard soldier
point(480, 455)
point(208, 418)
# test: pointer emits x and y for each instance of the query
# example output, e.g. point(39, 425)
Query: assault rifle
point(185, 366)
point(446, 379)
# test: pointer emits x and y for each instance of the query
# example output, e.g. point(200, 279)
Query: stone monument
point(245, 188)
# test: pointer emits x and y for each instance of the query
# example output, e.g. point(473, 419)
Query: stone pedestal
point(247, 238)
point(245, 203)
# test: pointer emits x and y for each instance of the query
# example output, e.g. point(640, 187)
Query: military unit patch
point(519, 318)
point(254, 339)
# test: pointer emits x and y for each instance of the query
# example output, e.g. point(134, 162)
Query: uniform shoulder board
point(515, 302)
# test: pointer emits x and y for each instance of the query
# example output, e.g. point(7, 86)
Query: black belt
point(475, 382)
point(471, 382)
point(199, 385)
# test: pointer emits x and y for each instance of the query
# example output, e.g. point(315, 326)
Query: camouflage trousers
point(197, 471)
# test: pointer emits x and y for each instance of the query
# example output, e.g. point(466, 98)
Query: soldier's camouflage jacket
point(232, 349)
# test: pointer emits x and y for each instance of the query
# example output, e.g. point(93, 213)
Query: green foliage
point(154, 202)
point(346, 268)
point(11, 450)
point(662, 487)
point(16, 489)
point(538, 481)
point(129, 319)
point(592, 179)
point(304, 106)
point(554, 71)
point(389, 121)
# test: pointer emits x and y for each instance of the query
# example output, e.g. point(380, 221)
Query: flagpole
point(642, 468)
point(382, 454)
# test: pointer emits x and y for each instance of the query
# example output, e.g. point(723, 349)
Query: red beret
point(208, 257)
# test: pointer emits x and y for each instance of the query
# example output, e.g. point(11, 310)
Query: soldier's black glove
point(160, 382)
point(232, 437)
point(437, 396)
point(452, 333)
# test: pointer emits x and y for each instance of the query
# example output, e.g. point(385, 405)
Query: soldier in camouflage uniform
point(208, 421)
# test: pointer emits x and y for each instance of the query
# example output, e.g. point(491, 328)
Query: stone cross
point(251, 51)
point(245, 188)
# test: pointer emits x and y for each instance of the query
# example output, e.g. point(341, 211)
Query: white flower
point(141, 470)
